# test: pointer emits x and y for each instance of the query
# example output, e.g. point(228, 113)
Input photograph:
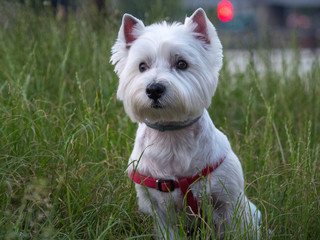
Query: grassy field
point(65, 139)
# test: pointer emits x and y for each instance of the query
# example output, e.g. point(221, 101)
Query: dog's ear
point(130, 29)
point(200, 22)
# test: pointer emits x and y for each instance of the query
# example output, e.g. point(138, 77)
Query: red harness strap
point(167, 185)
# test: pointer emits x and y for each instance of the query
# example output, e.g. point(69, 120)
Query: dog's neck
point(162, 127)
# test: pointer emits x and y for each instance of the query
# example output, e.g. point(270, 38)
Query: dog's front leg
point(233, 218)
point(161, 209)
point(165, 225)
point(223, 215)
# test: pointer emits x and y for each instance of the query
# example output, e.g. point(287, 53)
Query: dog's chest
point(167, 154)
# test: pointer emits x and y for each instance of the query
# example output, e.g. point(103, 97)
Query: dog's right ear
point(130, 29)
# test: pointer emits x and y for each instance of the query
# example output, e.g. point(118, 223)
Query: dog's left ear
point(130, 29)
point(200, 24)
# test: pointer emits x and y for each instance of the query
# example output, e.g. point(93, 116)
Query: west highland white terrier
point(168, 74)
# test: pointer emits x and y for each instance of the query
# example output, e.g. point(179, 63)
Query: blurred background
point(254, 23)
point(65, 139)
point(244, 26)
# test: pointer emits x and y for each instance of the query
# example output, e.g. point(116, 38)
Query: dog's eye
point(181, 65)
point(143, 67)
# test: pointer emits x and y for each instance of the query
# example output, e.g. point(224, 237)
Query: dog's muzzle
point(155, 91)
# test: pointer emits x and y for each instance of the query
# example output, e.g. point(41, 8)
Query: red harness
point(167, 185)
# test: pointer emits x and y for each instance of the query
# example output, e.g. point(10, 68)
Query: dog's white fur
point(181, 153)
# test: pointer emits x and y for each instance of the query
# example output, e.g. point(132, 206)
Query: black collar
point(162, 128)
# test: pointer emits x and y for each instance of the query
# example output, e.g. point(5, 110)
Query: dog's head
point(168, 72)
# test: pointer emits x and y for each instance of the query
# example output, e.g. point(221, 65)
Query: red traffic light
point(225, 10)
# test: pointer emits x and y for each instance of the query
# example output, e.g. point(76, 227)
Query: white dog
point(168, 75)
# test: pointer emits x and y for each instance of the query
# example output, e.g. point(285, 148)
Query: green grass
point(65, 139)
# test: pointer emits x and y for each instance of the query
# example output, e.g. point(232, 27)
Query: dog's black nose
point(155, 91)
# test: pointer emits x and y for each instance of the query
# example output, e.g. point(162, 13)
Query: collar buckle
point(165, 185)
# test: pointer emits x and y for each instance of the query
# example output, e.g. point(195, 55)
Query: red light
point(225, 10)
